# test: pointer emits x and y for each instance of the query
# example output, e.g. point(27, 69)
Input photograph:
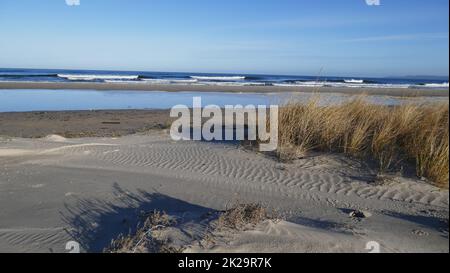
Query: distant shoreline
point(401, 92)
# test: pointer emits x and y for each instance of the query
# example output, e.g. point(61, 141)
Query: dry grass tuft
point(391, 135)
point(242, 216)
point(143, 241)
point(146, 240)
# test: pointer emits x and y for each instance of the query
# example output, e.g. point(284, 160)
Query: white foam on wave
point(124, 81)
point(97, 77)
point(169, 81)
point(437, 85)
point(219, 78)
point(187, 82)
point(340, 84)
point(354, 81)
point(231, 83)
point(155, 81)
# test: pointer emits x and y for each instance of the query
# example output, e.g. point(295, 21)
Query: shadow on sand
point(430, 222)
point(94, 223)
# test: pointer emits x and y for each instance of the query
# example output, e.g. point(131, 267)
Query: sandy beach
point(401, 92)
point(223, 133)
point(87, 176)
point(54, 190)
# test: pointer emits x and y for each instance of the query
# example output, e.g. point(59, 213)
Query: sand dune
point(53, 190)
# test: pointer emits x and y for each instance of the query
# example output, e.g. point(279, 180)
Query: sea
point(183, 78)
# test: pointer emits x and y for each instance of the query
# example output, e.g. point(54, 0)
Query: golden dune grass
point(392, 135)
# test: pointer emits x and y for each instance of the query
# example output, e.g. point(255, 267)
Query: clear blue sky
point(345, 37)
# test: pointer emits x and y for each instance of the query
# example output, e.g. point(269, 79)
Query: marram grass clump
point(392, 135)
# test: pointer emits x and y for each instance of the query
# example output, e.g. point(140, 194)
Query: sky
point(298, 37)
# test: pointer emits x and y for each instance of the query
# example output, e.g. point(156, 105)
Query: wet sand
point(215, 88)
point(70, 124)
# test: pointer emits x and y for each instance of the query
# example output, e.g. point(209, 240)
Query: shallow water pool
point(59, 100)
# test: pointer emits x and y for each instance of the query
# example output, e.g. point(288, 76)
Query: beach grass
point(410, 133)
point(238, 218)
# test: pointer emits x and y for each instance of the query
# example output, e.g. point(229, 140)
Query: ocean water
point(46, 75)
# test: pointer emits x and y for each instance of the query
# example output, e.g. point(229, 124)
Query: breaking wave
point(219, 78)
point(83, 77)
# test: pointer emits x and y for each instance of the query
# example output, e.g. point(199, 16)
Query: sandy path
point(53, 190)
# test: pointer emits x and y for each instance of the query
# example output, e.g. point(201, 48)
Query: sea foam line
point(100, 77)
